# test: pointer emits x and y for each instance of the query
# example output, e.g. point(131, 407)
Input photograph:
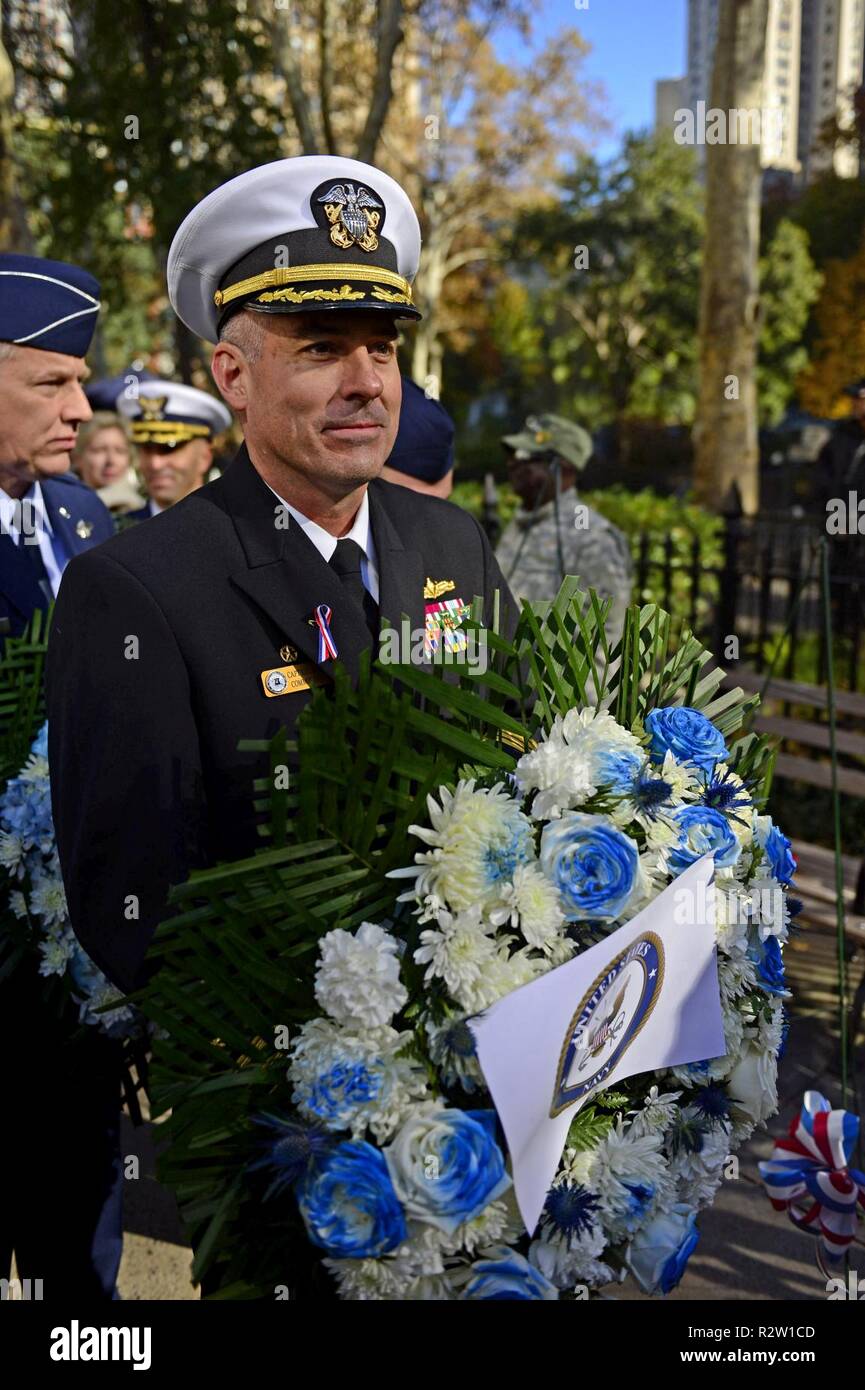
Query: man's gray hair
point(246, 331)
point(6, 351)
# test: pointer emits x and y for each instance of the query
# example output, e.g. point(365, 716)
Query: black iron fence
point(759, 597)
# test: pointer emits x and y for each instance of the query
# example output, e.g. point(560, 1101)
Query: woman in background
point(102, 458)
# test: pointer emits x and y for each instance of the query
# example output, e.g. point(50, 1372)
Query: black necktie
point(345, 561)
point(33, 554)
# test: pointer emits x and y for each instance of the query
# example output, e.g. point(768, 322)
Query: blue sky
point(634, 42)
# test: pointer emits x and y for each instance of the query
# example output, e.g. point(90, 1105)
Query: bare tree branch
point(285, 61)
point(325, 75)
point(389, 27)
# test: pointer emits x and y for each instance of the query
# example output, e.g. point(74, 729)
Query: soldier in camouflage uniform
point(555, 534)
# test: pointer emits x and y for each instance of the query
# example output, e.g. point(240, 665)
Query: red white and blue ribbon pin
point(326, 645)
point(809, 1174)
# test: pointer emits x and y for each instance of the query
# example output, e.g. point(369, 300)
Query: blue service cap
point(424, 445)
point(47, 304)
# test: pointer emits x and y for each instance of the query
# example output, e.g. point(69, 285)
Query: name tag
point(287, 680)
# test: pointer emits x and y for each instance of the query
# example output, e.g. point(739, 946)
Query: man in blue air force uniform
point(60, 1173)
point(47, 316)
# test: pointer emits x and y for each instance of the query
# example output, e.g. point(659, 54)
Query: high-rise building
point(833, 33)
point(814, 64)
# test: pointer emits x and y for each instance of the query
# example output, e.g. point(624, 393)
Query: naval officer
point(171, 642)
point(173, 427)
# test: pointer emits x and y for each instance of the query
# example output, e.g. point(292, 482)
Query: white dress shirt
point(325, 543)
point(35, 517)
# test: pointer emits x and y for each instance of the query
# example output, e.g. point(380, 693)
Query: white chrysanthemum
point(18, 904)
point(564, 770)
point(415, 1270)
point(771, 915)
point(56, 949)
point(11, 850)
point(661, 833)
point(532, 903)
point(575, 1166)
point(560, 952)
point(657, 1113)
point(48, 899)
point(770, 1031)
point(568, 1263)
point(459, 951)
point(357, 977)
point(737, 975)
point(479, 839)
point(505, 974)
point(354, 1080)
point(622, 1161)
point(734, 1030)
point(498, 1224)
point(732, 917)
point(35, 770)
point(699, 1175)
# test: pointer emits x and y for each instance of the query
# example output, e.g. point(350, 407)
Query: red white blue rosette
point(809, 1174)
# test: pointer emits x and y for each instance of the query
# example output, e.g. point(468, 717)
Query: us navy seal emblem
point(607, 1020)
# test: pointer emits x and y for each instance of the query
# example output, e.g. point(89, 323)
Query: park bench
point(797, 734)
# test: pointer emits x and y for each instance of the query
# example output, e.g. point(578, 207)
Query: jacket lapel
point(400, 571)
point(284, 573)
point(63, 527)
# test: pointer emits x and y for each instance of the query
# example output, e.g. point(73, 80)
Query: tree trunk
point(13, 230)
point(725, 432)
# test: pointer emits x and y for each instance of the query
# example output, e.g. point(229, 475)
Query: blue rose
point(592, 863)
point(770, 965)
point(349, 1206)
point(701, 828)
point(777, 849)
point(446, 1166)
point(508, 1276)
point(688, 735)
point(658, 1254)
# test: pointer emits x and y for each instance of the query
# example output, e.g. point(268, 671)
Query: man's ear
point(230, 370)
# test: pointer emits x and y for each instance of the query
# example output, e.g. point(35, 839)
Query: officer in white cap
point(173, 427)
point(245, 594)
